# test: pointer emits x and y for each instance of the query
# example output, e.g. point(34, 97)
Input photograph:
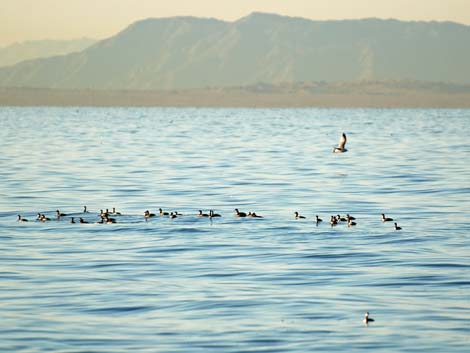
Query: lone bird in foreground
point(367, 319)
point(342, 143)
point(397, 227)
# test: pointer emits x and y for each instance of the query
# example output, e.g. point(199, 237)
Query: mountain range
point(189, 52)
point(34, 49)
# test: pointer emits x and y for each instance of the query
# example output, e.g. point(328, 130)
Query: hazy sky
point(22, 20)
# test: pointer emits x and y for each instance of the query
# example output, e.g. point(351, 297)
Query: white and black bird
point(21, 219)
point(367, 319)
point(341, 146)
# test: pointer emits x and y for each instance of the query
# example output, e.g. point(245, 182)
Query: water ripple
point(234, 285)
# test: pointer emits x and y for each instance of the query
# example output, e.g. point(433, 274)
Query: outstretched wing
point(342, 142)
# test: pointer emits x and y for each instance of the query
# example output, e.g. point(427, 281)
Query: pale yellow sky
point(22, 20)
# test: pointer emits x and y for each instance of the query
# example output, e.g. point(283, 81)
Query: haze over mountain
point(35, 49)
point(188, 52)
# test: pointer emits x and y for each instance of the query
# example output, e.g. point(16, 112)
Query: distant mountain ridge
point(189, 52)
point(34, 49)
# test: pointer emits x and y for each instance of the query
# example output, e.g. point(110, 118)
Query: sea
point(234, 284)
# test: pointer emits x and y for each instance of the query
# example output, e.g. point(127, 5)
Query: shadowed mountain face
point(15, 53)
point(186, 52)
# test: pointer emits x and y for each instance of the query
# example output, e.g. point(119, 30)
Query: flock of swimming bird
point(105, 215)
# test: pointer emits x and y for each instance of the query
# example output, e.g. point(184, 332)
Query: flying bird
point(342, 143)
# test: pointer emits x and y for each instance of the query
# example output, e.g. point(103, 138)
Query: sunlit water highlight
point(234, 285)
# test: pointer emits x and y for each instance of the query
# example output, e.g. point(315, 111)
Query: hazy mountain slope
point(17, 52)
point(186, 52)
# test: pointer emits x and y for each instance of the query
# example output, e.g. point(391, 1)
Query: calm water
point(234, 285)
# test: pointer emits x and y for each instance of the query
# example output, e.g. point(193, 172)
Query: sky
point(22, 20)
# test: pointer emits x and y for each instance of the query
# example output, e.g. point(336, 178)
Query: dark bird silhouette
point(297, 216)
point(212, 214)
point(239, 214)
point(147, 214)
point(21, 219)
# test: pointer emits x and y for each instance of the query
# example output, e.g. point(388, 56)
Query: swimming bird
point(109, 220)
point(82, 221)
point(163, 213)
point(367, 319)
point(44, 218)
point(72, 220)
point(200, 214)
point(397, 227)
point(172, 215)
point(114, 211)
point(212, 214)
point(297, 216)
point(351, 223)
point(21, 219)
point(60, 214)
point(318, 219)
point(350, 218)
point(342, 143)
point(147, 214)
point(39, 217)
point(254, 215)
point(333, 221)
point(340, 219)
point(386, 219)
point(84, 209)
point(239, 214)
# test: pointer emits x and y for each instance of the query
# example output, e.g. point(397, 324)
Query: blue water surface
point(275, 284)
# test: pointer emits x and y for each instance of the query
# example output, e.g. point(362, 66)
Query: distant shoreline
point(257, 96)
